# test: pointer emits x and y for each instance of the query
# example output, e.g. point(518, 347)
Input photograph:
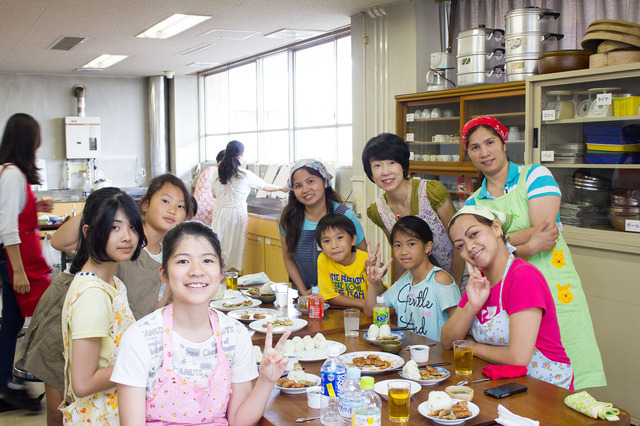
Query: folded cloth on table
point(504, 371)
point(507, 418)
point(249, 279)
point(586, 404)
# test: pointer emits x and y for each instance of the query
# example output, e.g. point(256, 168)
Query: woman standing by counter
point(532, 196)
point(25, 274)
point(385, 159)
point(231, 185)
point(311, 197)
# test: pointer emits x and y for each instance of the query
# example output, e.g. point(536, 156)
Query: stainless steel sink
point(263, 210)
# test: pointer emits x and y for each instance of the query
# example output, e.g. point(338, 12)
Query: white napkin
point(507, 418)
point(259, 278)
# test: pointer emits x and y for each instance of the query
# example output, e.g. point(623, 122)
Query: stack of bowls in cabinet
point(588, 198)
point(529, 32)
point(480, 56)
point(625, 205)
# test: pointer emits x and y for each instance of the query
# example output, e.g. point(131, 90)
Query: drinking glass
point(282, 295)
point(231, 278)
point(351, 322)
point(463, 356)
point(399, 401)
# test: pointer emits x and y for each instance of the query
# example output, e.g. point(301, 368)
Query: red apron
point(33, 261)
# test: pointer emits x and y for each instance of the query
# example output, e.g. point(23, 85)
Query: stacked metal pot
point(529, 32)
point(480, 56)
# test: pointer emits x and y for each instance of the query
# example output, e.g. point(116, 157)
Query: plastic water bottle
point(380, 312)
point(368, 409)
point(332, 376)
point(349, 394)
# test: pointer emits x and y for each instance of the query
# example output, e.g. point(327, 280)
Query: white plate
point(376, 342)
point(238, 313)
point(396, 361)
point(424, 410)
point(319, 354)
point(218, 304)
point(432, 381)
point(298, 324)
point(382, 389)
point(302, 307)
point(246, 293)
point(297, 391)
point(253, 279)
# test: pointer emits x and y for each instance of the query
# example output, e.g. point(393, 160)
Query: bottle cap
point(366, 382)
point(353, 373)
point(380, 299)
point(333, 350)
point(315, 289)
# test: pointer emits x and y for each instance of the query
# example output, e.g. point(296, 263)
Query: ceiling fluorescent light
point(196, 48)
point(174, 24)
point(104, 61)
point(228, 34)
point(203, 64)
point(289, 33)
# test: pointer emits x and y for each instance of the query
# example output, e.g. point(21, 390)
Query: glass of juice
point(463, 356)
point(231, 278)
point(351, 322)
point(399, 401)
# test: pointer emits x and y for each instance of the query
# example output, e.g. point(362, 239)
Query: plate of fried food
point(256, 292)
point(252, 314)
point(372, 362)
point(299, 386)
point(227, 305)
point(280, 325)
point(427, 376)
point(444, 410)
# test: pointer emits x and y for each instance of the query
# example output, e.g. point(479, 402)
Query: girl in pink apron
point(24, 272)
point(178, 364)
point(507, 306)
point(96, 313)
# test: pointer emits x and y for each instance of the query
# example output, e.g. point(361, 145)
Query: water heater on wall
point(83, 137)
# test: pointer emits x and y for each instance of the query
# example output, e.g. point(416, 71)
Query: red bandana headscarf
point(503, 132)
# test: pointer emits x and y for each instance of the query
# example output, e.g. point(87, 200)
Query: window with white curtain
point(283, 106)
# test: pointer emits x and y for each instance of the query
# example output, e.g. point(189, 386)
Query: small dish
point(399, 335)
point(267, 298)
point(391, 346)
point(424, 409)
point(464, 393)
point(381, 387)
point(429, 382)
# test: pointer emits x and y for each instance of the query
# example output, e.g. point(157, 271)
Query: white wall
point(183, 136)
point(121, 104)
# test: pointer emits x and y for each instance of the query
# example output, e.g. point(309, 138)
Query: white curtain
point(575, 15)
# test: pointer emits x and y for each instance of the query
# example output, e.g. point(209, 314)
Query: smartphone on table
point(503, 391)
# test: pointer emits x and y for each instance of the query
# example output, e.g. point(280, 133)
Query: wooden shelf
point(436, 119)
point(434, 143)
point(590, 120)
point(505, 115)
point(590, 166)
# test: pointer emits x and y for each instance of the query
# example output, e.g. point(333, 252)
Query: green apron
point(556, 265)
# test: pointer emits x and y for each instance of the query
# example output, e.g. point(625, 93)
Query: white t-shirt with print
point(140, 356)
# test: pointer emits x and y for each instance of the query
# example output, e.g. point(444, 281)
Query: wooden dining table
point(542, 401)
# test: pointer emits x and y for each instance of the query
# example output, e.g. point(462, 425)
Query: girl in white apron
point(95, 311)
point(157, 383)
point(507, 306)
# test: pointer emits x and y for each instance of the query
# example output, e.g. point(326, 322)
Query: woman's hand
point(21, 283)
point(544, 237)
point(375, 269)
point(273, 360)
point(478, 287)
point(45, 206)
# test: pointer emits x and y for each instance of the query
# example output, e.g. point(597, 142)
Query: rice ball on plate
point(266, 289)
point(439, 400)
point(410, 370)
point(257, 353)
point(320, 341)
point(288, 347)
point(385, 331)
point(309, 344)
point(373, 332)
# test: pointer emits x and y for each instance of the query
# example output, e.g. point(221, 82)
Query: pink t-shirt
point(526, 287)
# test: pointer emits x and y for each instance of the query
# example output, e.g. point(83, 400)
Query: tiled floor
point(25, 418)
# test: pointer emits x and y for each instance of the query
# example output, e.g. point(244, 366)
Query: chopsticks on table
point(393, 329)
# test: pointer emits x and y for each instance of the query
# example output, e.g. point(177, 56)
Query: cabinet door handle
point(535, 137)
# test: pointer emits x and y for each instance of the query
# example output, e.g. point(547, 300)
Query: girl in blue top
point(426, 295)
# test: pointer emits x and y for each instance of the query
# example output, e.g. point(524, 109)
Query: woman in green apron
point(532, 197)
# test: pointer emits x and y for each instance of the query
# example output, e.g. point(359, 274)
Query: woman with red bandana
point(532, 196)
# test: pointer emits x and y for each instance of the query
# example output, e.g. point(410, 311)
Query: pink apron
point(35, 267)
point(496, 332)
point(178, 401)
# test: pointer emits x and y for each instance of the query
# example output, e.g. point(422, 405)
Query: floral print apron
point(177, 401)
point(442, 247)
point(576, 329)
point(100, 408)
point(495, 332)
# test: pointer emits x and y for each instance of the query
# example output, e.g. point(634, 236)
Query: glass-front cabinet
point(430, 123)
point(585, 127)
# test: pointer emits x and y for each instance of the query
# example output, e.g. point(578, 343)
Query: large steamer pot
point(479, 40)
point(529, 44)
point(520, 67)
point(495, 75)
point(531, 19)
point(480, 62)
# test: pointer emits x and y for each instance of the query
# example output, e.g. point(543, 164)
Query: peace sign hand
point(273, 360)
point(478, 287)
point(374, 267)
